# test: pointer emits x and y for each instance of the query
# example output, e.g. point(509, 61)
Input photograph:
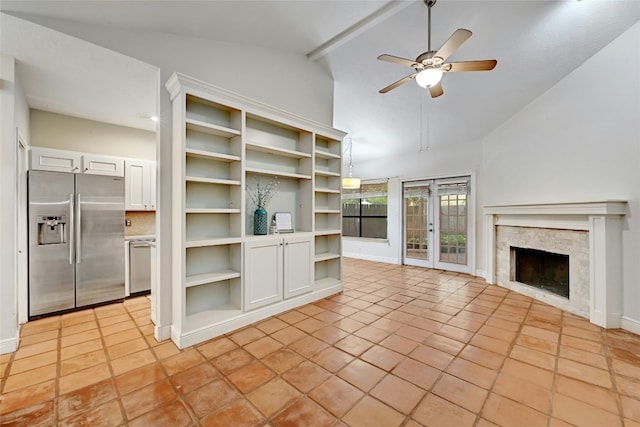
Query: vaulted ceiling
point(536, 44)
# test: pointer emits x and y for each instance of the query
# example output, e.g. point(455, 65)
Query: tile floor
point(400, 346)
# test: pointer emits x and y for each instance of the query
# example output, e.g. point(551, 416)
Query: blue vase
point(260, 224)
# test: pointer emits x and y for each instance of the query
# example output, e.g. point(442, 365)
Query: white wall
point(580, 141)
point(460, 159)
point(71, 133)
point(9, 92)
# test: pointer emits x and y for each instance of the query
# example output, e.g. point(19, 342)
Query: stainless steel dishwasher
point(140, 265)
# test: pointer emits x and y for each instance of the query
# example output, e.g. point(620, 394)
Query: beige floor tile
point(83, 378)
point(29, 351)
point(83, 361)
point(579, 413)
point(132, 361)
point(273, 396)
point(437, 412)
point(30, 377)
point(398, 393)
point(32, 362)
point(369, 411)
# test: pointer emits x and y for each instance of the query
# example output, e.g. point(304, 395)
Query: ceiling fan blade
point(458, 37)
point(484, 65)
point(436, 90)
point(398, 83)
point(400, 61)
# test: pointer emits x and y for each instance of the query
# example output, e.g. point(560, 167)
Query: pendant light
point(350, 182)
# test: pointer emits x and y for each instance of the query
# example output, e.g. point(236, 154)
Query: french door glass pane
point(453, 228)
point(416, 224)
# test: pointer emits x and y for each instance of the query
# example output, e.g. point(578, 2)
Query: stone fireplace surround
point(597, 290)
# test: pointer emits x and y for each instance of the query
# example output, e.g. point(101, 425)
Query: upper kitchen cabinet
point(140, 185)
point(49, 159)
point(93, 164)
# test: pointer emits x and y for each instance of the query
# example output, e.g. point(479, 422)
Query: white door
point(436, 224)
point(263, 272)
point(49, 159)
point(298, 259)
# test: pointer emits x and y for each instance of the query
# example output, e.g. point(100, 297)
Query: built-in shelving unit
point(327, 211)
point(224, 144)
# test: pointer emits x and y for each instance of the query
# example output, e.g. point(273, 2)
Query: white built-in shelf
point(212, 180)
point(197, 243)
point(326, 256)
point(212, 129)
point(327, 232)
point(327, 211)
point(326, 173)
point(326, 155)
point(211, 210)
point(205, 318)
point(218, 276)
point(203, 154)
point(266, 172)
point(326, 282)
point(327, 190)
point(277, 150)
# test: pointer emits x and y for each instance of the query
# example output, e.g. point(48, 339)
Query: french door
point(435, 223)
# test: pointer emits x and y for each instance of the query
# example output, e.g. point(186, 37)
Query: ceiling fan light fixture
point(429, 77)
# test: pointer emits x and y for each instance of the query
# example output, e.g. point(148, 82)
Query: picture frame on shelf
point(283, 222)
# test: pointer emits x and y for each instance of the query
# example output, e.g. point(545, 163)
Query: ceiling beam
point(359, 27)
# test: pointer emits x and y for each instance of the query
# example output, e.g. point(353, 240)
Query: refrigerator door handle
point(71, 229)
point(78, 231)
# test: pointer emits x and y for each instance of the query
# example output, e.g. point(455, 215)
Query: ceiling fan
point(430, 66)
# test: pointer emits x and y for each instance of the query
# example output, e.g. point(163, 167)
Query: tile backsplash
point(142, 223)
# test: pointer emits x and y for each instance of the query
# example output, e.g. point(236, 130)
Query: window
point(364, 211)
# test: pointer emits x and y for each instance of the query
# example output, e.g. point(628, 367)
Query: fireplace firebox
point(544, 270)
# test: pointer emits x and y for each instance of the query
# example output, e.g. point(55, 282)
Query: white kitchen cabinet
point(94, 164)
point(49, 159)
point(53, 160)
point(140, 185)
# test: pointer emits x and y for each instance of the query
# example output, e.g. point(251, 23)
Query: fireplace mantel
point(611, 207)
point(603, 221)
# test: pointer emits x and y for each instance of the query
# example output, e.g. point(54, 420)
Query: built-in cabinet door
point(49, 159)
point(93, 164)
point(140, 192)
point(298, 260)
point(263, 272)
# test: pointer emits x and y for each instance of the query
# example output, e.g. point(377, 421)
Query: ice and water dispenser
point(51, 230)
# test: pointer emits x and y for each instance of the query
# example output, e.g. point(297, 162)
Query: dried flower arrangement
point(261, 195)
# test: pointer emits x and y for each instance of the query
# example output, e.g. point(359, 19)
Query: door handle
point(79, 231)
point(71, 229)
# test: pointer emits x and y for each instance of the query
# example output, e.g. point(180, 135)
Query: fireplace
point(589, 233)
point(541, 269)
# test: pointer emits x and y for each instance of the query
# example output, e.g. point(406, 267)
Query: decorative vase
point(260, 222)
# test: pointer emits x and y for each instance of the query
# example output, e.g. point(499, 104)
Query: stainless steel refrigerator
point(76, 240)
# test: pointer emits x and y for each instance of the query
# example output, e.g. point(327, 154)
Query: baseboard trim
point(387, 260)
point(631, 325)
point(9, 345)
